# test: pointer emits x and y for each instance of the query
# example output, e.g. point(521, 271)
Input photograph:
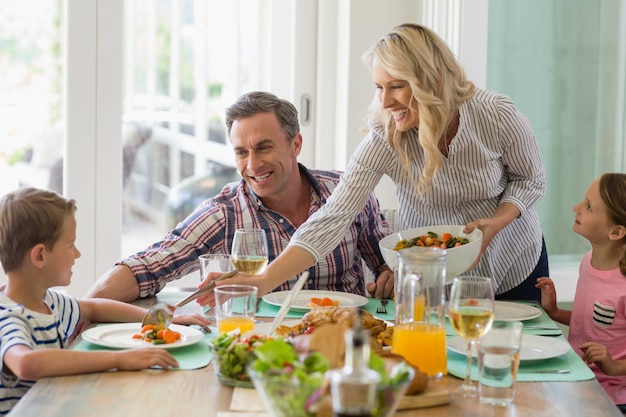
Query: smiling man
point(276, 194)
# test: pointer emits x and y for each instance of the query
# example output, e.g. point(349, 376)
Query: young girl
point(598, 318)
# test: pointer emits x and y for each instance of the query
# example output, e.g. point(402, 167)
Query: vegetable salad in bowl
point(295, 386)
point(231, 355)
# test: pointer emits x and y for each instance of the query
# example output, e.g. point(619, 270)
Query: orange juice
point(228, 324)
point(418, 307)
point(422, 345)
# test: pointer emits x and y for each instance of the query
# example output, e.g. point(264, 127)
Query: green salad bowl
point(286, 395)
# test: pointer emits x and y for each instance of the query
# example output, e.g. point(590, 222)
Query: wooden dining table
point(190, 393)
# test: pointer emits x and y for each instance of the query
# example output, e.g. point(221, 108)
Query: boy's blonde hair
point(415, 54)
point(29, 216)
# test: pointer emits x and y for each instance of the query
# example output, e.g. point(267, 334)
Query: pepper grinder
point(354, 387)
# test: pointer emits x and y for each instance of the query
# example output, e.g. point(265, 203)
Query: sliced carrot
point(317, 301)
point(161, 334)
point(329, 302)
point(445, 237)
point(170, 336)
point(147, 328)
point(138, 336)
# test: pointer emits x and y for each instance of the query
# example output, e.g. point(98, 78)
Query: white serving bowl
point(459, 259)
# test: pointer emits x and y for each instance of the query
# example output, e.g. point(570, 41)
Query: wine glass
point(471, 310)
point(249, 251)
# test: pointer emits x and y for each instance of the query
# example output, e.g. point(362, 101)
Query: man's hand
point(383, 287)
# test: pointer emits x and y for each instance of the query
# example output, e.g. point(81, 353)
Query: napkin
point(579, 371)
point(193, 356)
point(246, 399)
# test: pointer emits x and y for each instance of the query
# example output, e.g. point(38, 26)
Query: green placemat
point(579, 371)
point(544, 321)
point(193, 356)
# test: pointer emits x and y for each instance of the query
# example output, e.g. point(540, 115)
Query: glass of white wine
point(249, 250)
point(471, 309)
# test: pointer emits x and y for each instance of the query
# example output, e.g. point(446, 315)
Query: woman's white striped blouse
point(493, 158)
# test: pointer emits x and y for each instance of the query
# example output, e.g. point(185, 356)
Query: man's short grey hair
point(257, 102)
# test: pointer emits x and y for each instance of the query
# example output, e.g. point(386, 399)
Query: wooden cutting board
point(431, 397)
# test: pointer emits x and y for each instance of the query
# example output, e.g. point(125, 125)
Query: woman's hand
point(488, 233)
point(491, 226)
point(240, 278)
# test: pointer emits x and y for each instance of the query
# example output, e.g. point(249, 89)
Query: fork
point(382, 309)
point(544, 371)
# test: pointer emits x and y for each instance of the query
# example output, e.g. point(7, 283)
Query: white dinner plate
point(304, 297)
point(263, 328)
point(533, 347)
point(120, 335)
point(509, 311)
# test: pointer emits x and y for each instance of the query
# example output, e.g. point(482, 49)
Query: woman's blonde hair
point(415, 54)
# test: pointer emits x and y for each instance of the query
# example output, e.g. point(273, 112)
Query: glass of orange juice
point(235, 307)
point(420, 331)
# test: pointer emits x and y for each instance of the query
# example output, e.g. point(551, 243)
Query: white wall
point(345, 88)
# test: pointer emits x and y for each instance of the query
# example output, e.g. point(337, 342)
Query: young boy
point(37, 251)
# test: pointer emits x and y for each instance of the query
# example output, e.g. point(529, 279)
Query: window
point(32, 101)
point(184, 62)
point(31, 104)
point(189, 60)
point(565, 71)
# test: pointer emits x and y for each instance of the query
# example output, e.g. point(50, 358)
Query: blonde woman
point(457, 155)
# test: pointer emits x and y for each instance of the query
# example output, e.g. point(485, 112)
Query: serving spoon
point(161, 314)
point(288, 302)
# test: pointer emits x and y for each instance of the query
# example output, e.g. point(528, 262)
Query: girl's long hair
point(613, 193)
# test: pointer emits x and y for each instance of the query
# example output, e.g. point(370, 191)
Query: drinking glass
point(214, 262)
point(249, 251)
point(498, 362)
point(471, 310)
point(235, 307)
